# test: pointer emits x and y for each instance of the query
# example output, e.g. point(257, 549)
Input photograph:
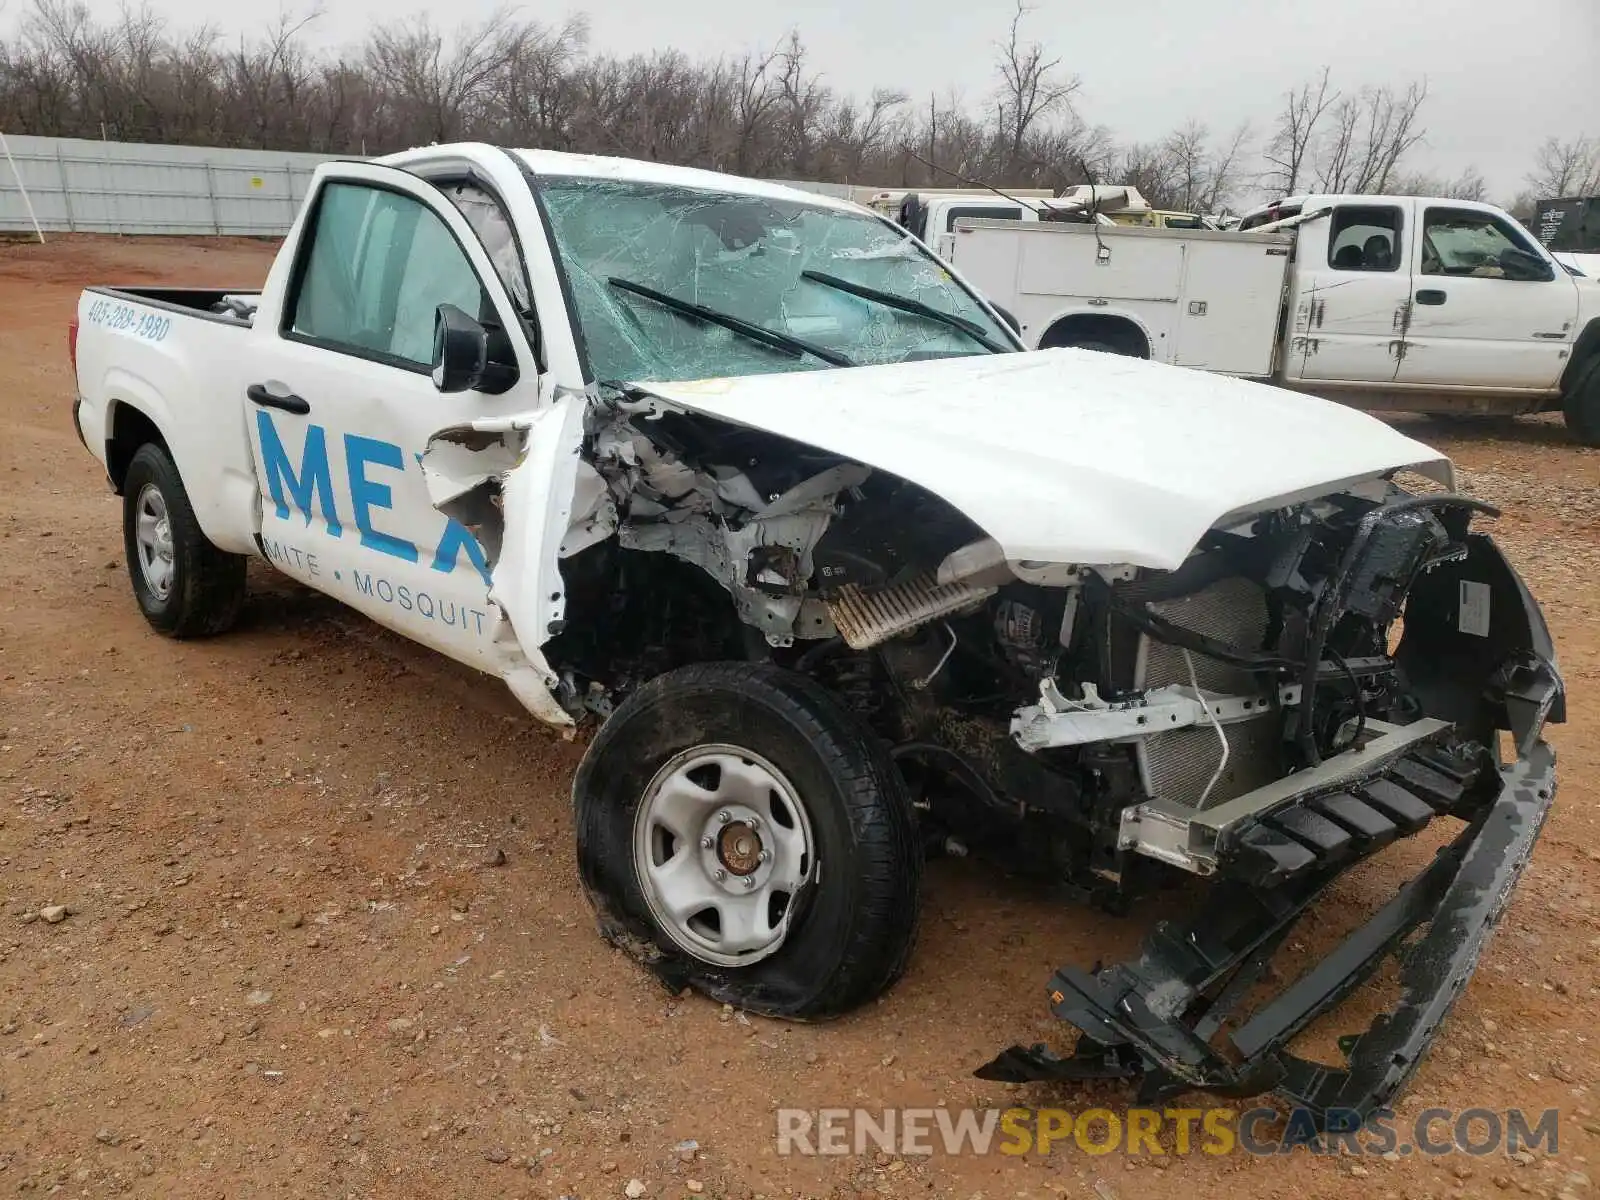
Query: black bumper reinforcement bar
point(1157, 1018)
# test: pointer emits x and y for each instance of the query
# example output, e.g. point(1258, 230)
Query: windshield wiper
point(788, 343)
point(907, 305)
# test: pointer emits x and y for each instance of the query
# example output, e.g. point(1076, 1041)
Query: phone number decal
point(127, 318)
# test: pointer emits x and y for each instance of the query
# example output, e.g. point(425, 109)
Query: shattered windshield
point(807, 286)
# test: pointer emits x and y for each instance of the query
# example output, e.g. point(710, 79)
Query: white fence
point(77, 185)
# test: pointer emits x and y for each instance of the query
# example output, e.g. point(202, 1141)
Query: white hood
point(1072, 455)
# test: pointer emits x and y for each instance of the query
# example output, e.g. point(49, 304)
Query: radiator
point(1177, 766)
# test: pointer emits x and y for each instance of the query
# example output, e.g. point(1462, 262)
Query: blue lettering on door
point(312, 485)
point(365, 494)
point(313, 478)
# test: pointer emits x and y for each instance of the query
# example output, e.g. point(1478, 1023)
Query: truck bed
point(231, 306)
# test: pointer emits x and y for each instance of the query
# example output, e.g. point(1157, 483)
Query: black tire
point(1582, 405)
point(852, 926)
point(207, 586)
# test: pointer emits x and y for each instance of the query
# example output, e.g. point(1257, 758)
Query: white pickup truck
point(749, 479)
point(1397, 303)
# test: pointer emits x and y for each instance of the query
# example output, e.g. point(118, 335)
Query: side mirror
point(1525, 266)
point(468, 355)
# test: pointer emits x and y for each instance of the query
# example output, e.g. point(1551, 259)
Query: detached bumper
point(1159, 1017)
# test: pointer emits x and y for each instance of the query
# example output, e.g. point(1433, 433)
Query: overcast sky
point(1502, 75)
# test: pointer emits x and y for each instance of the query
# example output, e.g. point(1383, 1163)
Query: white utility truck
point(1398, 303)
point(751, 480)
point(932, 216)
point(1192, 297)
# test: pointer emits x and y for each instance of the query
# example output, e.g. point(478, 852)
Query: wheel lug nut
point(748, 883)
point(721, 875)
point(706, 843)
point(764, 856)
point(754, 822)
point(724, 816)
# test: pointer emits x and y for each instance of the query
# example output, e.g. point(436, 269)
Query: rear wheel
point(743, 834)
point(185, 586)
point(1582, 405)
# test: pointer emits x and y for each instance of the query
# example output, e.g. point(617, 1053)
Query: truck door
point(1350, 294)
point(341, 403)
point(1489, 307)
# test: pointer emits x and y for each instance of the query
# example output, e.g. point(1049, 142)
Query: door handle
point(1430, 296)
point(291, 403)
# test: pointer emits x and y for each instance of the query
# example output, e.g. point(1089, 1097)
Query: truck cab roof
point(595, 166)
point(1291, 206)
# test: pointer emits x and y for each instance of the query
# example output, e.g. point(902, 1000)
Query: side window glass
point(379, 264)
point(1364, 238)
point(1456, 242)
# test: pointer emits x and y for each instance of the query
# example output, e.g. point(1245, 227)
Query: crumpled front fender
point(512, 480)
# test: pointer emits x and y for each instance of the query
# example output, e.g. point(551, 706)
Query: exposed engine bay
point(1315, 679)
point(1073, 720)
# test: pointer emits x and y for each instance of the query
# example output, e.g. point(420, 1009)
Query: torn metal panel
point(514, 482)
point(765, 562)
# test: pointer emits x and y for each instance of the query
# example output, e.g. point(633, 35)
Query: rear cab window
point(1268, 215)
point(1364, 237)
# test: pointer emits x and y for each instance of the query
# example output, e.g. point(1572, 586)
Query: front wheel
point(185, 586)
point(743, 834)
point(1582, 406)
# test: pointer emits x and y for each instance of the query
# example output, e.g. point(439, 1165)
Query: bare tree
point(70, 72)
point(1333, 142)
point(1032, 86)
point(1566, 169)
point(1368, 135)
point(1202, 176)
point(802, 104)
point(755, 95)
point(1291, 140)
point(1468, 185)
point(444, 83)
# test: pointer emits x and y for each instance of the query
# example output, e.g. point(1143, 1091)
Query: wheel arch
point(1585, 351)
point(129, 426)
point(1120, 329)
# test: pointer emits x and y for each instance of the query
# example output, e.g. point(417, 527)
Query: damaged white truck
point(750, 480)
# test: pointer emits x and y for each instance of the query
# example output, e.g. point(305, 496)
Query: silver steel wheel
point(153, 536)
point(722, 845)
